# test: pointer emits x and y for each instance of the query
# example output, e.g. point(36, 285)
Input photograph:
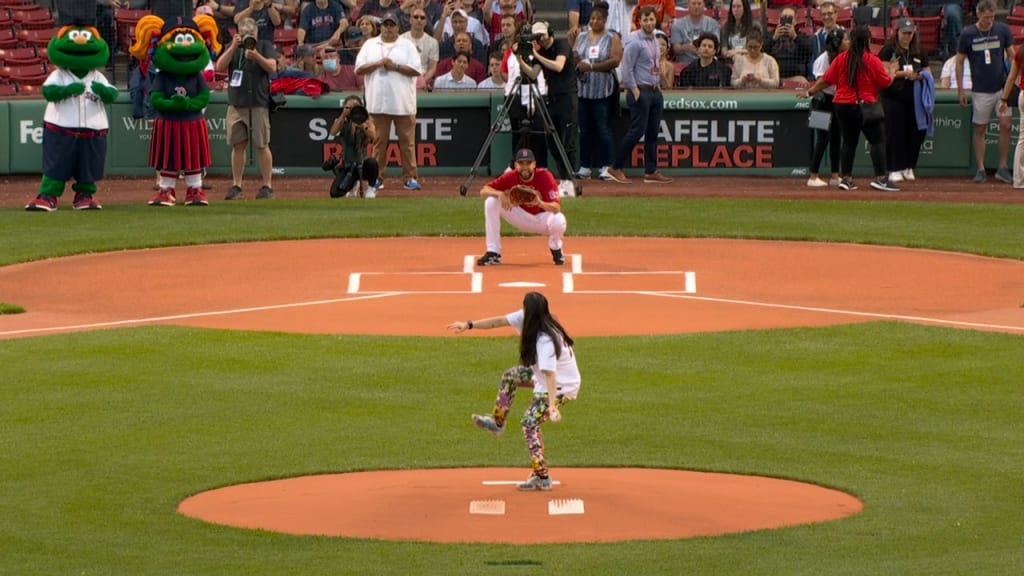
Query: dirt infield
point(615, 504)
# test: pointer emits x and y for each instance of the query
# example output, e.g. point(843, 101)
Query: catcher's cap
point(525, 155)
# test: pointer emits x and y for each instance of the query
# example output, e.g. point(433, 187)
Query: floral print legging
point(535, 415)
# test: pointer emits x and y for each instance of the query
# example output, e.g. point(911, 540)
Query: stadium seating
point(34, 74)
point(33, 19)
point(124, 27)
point(38, 38)
point(8, 38)
point(20, 56)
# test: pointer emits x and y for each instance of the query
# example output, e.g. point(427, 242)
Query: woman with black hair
point(738, 26)
point(355, 133)
point(547, 363)
point(835, 42)
point(858, 76)
point(903, 137)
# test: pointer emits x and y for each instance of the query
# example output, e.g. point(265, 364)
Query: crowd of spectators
point(784, 37)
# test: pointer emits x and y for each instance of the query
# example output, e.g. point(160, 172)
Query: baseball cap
point(304, 50)
point(525, 155)
point(907, 25)
point(389, 16)
point(540, 28)
point(461, 12)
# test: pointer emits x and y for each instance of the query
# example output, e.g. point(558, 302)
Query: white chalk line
point(157, 319)
point(879, 315)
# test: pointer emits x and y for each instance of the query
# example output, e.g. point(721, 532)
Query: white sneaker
point(895, 176)
point(371, 192)
point(908, 175)
point(816, 183)
point(583, 173)
point(603, 174)
point(834, 181)
point(566, 188)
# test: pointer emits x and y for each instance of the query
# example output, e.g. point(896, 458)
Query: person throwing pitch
point(547, 363)
point(528, 199)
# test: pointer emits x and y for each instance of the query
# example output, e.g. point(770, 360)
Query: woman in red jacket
point(858, 76)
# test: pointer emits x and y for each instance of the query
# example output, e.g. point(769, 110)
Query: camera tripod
point(525, 128)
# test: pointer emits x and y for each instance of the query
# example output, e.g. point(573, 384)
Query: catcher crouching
point(528, 199)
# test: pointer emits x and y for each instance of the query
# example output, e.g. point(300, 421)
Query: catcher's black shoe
point(556, 255)
point(489, 259)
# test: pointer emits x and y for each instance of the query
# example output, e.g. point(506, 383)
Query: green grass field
point(103, 433)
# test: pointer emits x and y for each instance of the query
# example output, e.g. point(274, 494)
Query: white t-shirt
point(818, 69)
point(567, 374)
point(473, 27)
point(525, 95)
point(949, 71)
point(446, 82)
point(389, 91)
point(84, 110)
point(488, 84)
point(428, 48)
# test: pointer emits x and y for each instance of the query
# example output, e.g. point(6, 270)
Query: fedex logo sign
point(28, 130)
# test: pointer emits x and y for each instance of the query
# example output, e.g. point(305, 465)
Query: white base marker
point(488, 507)
point(560, 507)
point(690, 284)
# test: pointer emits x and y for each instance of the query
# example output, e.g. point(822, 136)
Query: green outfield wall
point(742, 133)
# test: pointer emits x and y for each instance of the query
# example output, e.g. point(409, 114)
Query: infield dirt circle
point(609, 286)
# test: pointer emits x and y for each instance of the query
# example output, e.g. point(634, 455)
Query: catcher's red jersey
point(543, 181)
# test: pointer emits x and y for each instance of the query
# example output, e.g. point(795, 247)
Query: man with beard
point(639, 70)
point(540, 213)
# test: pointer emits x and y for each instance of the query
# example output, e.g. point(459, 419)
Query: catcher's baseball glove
point(522, 195)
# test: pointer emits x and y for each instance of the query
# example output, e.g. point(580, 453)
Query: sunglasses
point(418, 17)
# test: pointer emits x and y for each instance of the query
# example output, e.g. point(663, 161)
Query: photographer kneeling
point(356, 133)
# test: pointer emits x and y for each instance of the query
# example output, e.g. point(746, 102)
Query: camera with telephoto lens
point(526, 40)
point(249, 42)
point(358, 114)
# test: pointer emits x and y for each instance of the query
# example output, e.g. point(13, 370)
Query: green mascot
point(75, 122)
point(180, 49)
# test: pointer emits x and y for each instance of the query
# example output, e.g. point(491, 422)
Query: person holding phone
point(790, 48)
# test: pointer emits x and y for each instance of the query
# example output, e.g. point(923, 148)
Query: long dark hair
point(860, 39)
point(537, 319)
point(742, 27)
point(834, 43)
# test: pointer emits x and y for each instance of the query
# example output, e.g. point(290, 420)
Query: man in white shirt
point(457, 79)
point(390, 66)
point(425, 43)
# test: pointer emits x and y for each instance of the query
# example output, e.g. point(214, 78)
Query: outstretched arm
point(485, 324)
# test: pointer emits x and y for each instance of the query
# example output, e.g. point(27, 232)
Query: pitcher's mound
point(434, 505)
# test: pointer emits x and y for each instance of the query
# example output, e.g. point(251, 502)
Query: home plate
point(522, 285)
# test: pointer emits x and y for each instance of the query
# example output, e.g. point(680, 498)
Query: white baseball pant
point(545, 224)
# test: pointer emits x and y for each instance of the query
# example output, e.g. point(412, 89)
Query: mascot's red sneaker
point(42, 203)
point(86, 202)
point(164, 197)
point(196, 197)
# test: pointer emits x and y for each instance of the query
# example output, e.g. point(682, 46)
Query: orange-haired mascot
point(180, 49)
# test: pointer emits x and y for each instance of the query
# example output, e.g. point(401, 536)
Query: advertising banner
point(26, 135)
point(445, 137)
point(128, 151)
point(722, 132)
